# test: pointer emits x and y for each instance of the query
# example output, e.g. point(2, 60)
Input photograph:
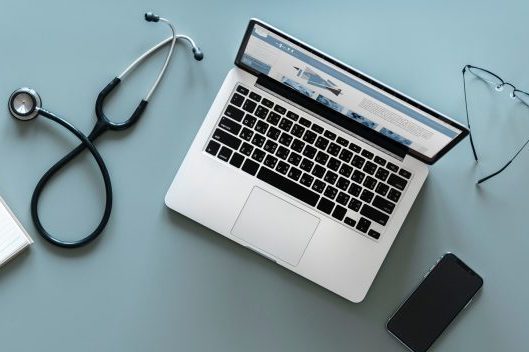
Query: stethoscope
point(25, 104)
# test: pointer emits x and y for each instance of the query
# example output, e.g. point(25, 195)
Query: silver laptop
point(309, 162)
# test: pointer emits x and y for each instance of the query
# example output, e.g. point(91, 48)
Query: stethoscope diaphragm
point(24, 104)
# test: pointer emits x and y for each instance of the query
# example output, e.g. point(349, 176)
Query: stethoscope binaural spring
point(25, 104)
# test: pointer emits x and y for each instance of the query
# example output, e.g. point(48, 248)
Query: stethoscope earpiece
point(24, 104)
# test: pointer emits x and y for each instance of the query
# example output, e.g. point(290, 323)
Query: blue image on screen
point(297, 86)
point(330, 103)
point(395, 136)
point(256, 64)
point(363, 120)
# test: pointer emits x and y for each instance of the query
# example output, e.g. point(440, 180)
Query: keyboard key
point(258, 155)
point(306, 165)
point(405, 173)
point(306, 180)
point(343, 198)
point(318, 171)
point(294, 173)
point(317, 128)
point(230, 125)
point(282, 152)
point(280, 109)
point(374, 234)
point(380, 161)
point(350, 222)
point(303, 121)
point(294, 158)
point(213, 147)
point(370, 182)
point(334, 149)
point(355, 204)
point(237, 99)
point(318, 186)
point(309, 151)
point(282, 167)
point(285, 139)
point(370, 167)
point(355, 148)
point(342, 141)
point(383, 204)
point(382, 174)
point(236, 160)
point(346, 170)
point(270, 161)
point(366, 153)
point(258, 140)
point(393, 167)
point(363, 225)
point(242, 90)
point(246, 149)
point(290, 187)
point(226, 138)
point(343, 183)
point(293, 116)
point(334, 164)
point(382, 189)
point(321, 158)
point(246, 134)
point(273, 133)
point(339, 212)
point(358, 161)
point(249, 106)
point(285, 124)
point(267, 103)
point(273, 118)
point(366, 196)
point(358, 176)
point(325, 205)
point(321, 143)
point(345, 156)
point(234, 113)
point(397, 182)
point(250, 167)
point(355, 190)
point(330, 135)
point(309, 136)
point(297, 130)
point(255, 96)
point(249, 120)
point(394, 195)
point(261, 112)
point(374, 214)
point(270, 146)
point(330, 192)
point(261, 127)
point(330, 177)
point(297, 145)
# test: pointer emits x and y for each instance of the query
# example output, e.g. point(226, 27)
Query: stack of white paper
point(13, 237)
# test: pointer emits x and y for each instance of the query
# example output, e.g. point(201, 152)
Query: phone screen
point(444, 292)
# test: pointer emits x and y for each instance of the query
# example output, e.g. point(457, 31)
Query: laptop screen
point(267, 51)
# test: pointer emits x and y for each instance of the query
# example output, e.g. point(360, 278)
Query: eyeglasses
point(499, 84)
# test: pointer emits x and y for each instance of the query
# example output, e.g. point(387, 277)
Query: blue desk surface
point(157, 281)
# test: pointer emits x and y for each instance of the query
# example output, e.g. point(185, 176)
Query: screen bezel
point(361, 76)
point(447, 256)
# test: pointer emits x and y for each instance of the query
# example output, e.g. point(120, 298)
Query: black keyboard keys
point(334, 164)
point(242, 90)
point(280, 109)
point(325, 205)
point(318, 186)
point(297, 145)
point(330, 177)
point(226, 138)
point(397, 182)
point(288, 186)
point(318, 171)
point(330, 135)
point(234, 113)
point(370, 167)
point(236, 160)
point(321, 143)
point(282, 167)
point(246, 149)
point(261, 127)
point(282, 152)
point(321, 158)
point(392, 167)
point(303, 121)
point(374, 214)
point(350, 222)
point(250, 166)
point(363, 225)
point(374, 234)
point(358, 176)
point(306, 180)
point(382, 174)
point(273, 133)
point(294, 173)
point(270, 146)
point(306, 165)
point(370, 182)
point(294, 158)
point(405, 173)
point(249, 120)
point(270, 161)
point(273, 118)
point(367, 196)
point(354, 204)
point(366, 153)
point(285, 124)
point(258, 140)
point(249, 106)
point(261, 112)
point(285, 139)
point(343, 183)
point(293, 116)
point(345, 155)
point(383, 204)
point(309, 151)
point(382, 189)
point(267, 103)
point(345, 170)
point(339, 212)
point(213, 147)
point(255, 96)
point(237, 99)
point(355, 190)
point(297, 130)
point(343, 198)
point(380, 161)
point(342, 141)
point(230, 125)
point(309, 136)
point(358, 161)
point(258, 155)
point(394, 195)
point(334, 149)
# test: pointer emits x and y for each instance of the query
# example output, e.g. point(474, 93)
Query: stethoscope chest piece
point(24, 104)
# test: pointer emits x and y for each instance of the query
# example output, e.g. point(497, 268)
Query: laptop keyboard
point(331, 173)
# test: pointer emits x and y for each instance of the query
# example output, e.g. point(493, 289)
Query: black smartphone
point(446, 290)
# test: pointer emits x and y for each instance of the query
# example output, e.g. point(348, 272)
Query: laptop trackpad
point(275, 226)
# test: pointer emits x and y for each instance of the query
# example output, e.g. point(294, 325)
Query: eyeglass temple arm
point(504, 166)
point(468, 120)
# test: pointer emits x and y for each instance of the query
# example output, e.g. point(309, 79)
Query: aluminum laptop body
point(309, 162)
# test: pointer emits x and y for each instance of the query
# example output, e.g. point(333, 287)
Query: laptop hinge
point(334, 117)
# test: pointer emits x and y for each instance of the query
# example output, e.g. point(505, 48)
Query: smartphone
point(446, 290)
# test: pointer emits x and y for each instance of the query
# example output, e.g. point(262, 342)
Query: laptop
point(309, 162)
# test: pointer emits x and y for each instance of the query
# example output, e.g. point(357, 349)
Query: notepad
point(13, 237)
